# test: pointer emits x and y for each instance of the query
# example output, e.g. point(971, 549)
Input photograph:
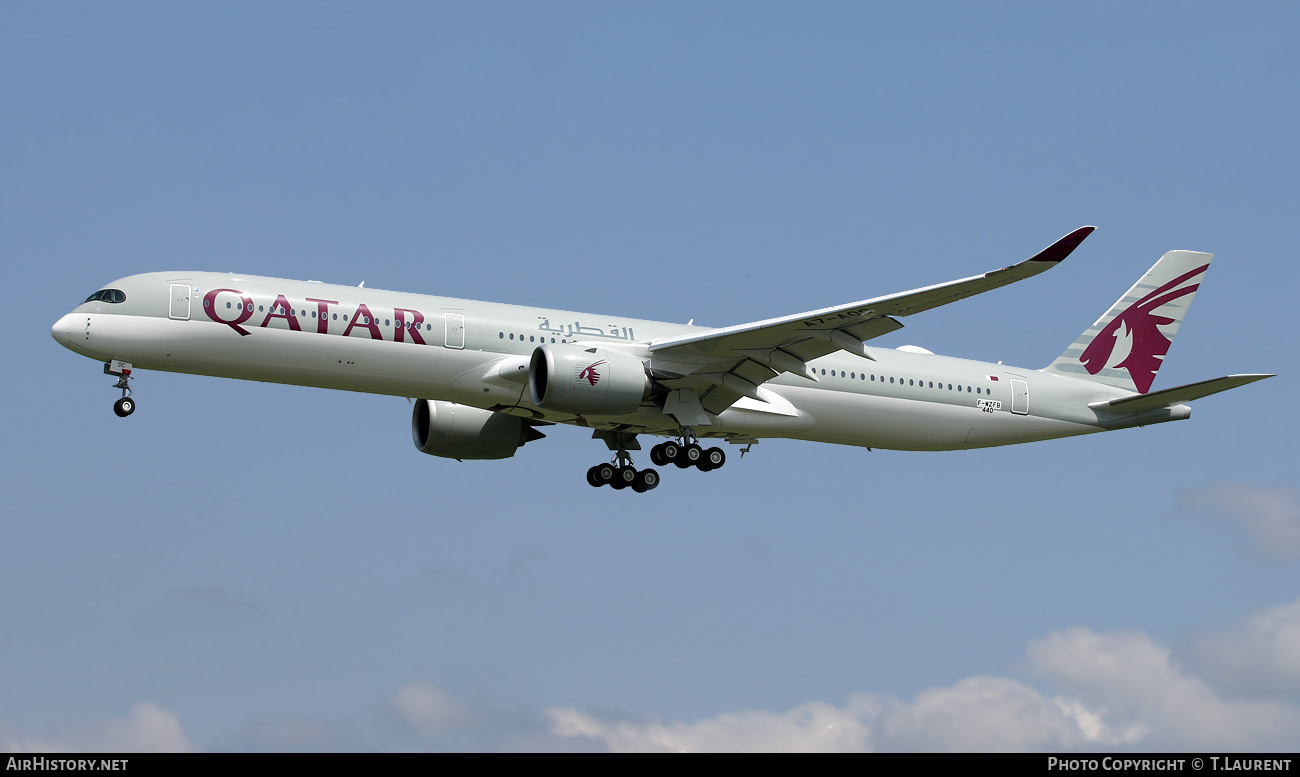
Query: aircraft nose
point(62, 331)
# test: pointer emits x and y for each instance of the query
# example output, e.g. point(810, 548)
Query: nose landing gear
point(126, 405)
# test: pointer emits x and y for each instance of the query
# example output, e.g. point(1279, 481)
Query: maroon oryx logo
point(589, 374)
point(1142, 328)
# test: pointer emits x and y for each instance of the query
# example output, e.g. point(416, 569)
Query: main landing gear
point(126, 405)
point(621, 474)
point(688, 453)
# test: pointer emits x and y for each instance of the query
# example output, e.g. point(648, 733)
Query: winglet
point(1063, 247)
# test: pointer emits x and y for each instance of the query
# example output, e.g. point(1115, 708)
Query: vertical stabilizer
point(1127, 345)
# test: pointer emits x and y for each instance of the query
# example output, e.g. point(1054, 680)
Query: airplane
point(483, 377)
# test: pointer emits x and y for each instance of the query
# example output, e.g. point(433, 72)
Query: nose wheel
point(126, 405)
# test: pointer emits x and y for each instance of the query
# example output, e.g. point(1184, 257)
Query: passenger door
point(179, 307)
point(455, 330)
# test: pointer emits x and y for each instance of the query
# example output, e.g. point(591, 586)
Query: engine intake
point(462, 432)
point(586, 381)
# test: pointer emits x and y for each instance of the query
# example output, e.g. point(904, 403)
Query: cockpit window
point(107, 295)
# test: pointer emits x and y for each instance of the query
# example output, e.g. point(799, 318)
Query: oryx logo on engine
point(589, 373)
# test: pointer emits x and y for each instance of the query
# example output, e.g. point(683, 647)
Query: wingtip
point(1063, 247)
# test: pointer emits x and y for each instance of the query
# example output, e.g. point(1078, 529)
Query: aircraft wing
point(723, 365)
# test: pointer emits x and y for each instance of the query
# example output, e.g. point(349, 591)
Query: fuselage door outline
point(455, 330)
point(1019, 397)
point(179, 307)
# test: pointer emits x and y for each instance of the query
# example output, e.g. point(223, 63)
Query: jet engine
point(586, 381)
point(462, 432)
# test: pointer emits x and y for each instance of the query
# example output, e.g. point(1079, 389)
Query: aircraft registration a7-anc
point(485, 376)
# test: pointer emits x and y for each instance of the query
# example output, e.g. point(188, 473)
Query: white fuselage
point(473, 353)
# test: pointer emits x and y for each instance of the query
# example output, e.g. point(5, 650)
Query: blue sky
point(250, 566)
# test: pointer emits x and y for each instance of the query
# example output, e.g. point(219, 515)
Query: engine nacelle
point(586, 381)
point(462, 432)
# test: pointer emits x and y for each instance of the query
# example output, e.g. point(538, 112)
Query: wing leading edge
point(723, 365)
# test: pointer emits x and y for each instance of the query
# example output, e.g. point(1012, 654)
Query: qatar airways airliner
point(485, 376)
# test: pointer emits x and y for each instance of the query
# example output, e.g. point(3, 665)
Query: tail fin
point(1126, 347)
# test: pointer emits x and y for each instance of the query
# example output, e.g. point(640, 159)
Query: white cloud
point(1136, 679)
point(994, 714)
point(427, 710)
point(1122, 690)
point(147, 728)
point(1270, 516)
point(978, 713)
point(814, 727)
point(1261, 654)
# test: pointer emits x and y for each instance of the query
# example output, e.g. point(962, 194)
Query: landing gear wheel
point(623, 477)
point(683, 458)
point(657, 456)
point(593, 477)
point(689, 456)
point(604, 474)
point(668, 451)
point(646, 480)
point(124, 407)
point(712, 459)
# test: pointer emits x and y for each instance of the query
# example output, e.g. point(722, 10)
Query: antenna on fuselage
point(361, 285)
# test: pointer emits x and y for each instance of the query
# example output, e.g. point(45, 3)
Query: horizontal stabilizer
point(1177, 395)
